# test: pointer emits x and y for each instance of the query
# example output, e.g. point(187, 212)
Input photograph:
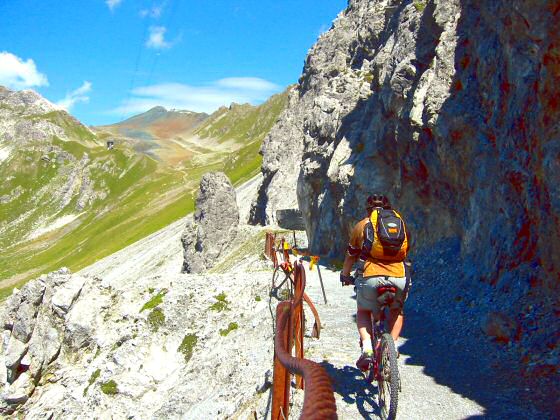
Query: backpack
point(385, 237)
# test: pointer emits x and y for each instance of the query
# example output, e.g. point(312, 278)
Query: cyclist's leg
point(366, 299)
point(396, 321)
point(396, 317)
point(363, 319)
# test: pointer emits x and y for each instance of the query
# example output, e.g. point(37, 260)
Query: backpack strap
point(369, 236)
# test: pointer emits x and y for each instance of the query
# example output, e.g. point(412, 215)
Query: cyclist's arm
point(349, 261)
point(350, 258)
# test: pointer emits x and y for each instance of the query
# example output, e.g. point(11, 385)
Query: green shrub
point(284, 294)
point(368, 77)
point(154, 301)
point(187, 346)
point(232, 326)
point(420, 6)
point(156, 319)
point(109, 388)
point(92, 379)
point(258, 298)
point(336, 264)
point(222, 303)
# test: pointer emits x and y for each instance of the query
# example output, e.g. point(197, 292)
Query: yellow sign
point(314, 261)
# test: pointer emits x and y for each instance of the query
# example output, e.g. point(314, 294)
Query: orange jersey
point(372, 267)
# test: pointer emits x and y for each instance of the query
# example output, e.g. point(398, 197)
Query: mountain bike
point(383, 366)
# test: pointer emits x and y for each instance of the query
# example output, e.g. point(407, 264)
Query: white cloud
point(205, 98)
point(156, 39)
point(153, 12)
point(113, 4)
point(18, 74)
point(77, 95)
point(247, 83)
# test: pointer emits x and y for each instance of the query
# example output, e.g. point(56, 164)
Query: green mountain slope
point(242, 128)
point(67, 200)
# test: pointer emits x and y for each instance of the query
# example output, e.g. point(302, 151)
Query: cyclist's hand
point(345, 280)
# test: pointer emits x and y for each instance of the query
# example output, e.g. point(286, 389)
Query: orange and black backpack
point(385, 236)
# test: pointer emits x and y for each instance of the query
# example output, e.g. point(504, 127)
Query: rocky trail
point(438, 382)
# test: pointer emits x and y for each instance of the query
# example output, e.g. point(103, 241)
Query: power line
point(136, 66)
point(168, 23)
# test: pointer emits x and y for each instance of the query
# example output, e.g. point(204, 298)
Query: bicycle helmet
point(377, 200)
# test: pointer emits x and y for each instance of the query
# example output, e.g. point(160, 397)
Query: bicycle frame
point(377, 330)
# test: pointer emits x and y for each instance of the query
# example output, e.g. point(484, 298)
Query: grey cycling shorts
point(366, 292)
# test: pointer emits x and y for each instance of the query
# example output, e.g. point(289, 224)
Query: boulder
point(15, 352)
point(215, 224)
point(20, 390)
point(44, 345)
point(65, 296)
point(80, 324)
point(24, 321)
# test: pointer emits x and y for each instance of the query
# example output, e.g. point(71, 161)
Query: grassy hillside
point(246, 127)
point(137, 198)
point(69, 202)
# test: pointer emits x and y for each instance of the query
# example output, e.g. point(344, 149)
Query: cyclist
point(375, 272)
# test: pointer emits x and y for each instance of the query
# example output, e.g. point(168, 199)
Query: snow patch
point(4, 153)
point(58, 223)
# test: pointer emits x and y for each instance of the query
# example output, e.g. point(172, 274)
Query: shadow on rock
point(349, 383)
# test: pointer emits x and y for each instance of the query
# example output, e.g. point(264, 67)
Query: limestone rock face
point(33, 326)
point(281, 149)
point(450, 107)
point(215, 224)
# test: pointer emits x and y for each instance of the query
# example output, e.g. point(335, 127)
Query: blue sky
point(105, 60)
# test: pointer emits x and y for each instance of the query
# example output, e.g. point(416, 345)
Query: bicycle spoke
point(388, 380)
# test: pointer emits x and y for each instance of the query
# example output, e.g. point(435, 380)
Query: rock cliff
point(452, 108)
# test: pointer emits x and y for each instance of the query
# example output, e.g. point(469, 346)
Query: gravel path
point(337, 350)
point(439, 381)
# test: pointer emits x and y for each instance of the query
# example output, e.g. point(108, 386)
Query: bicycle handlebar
point(347, 280)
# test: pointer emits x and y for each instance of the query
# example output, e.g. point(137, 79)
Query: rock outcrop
point(34, 325)
point(215, 224)
point(451, 107)
point(133, 337)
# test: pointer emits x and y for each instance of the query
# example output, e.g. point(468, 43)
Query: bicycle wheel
point(388, 379)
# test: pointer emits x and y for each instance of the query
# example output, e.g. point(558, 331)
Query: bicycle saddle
point(386, 294)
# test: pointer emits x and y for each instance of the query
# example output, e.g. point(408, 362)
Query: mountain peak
point(157, 109)
point(28, 100)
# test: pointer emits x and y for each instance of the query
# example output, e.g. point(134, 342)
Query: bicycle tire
point(388, 380)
